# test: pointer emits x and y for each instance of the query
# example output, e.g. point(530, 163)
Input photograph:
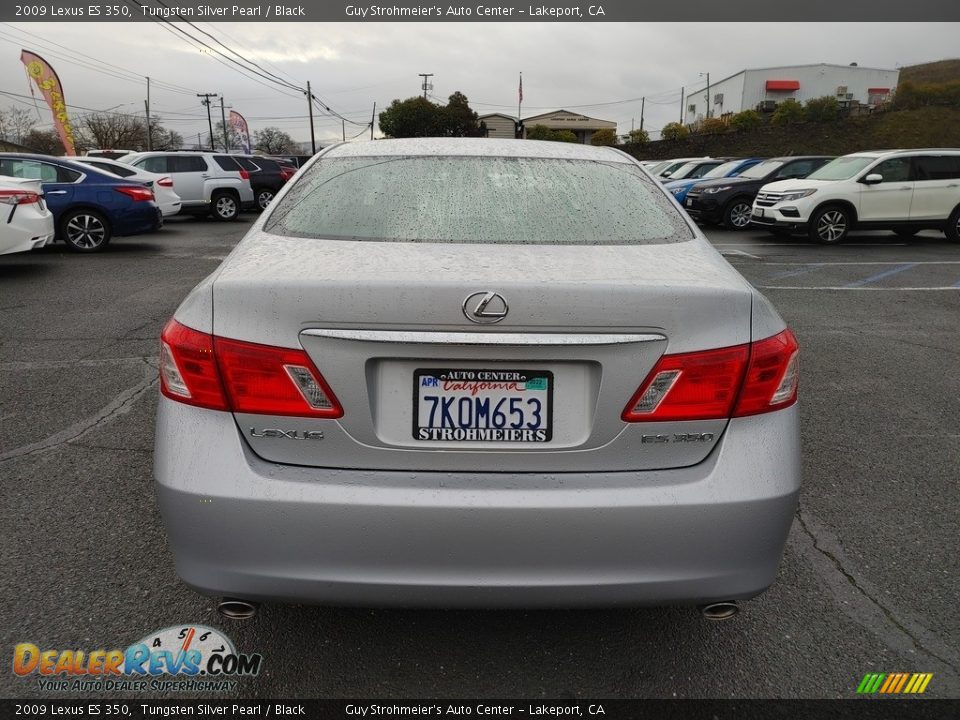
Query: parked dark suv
point(728, 201)
point(267, 176)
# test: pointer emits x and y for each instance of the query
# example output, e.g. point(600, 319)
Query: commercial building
point(763, 88)
point(581, 125)
point(500, 125)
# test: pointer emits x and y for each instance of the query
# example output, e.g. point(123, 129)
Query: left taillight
point(18, 197)
point(137, 193)
point(245, 174)
point(165, 182)
point(224, 374)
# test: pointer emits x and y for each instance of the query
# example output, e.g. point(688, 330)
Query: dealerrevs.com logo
point(186, 658)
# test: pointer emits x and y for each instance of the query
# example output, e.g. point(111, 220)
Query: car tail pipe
point(236, 609)
point(717, 611)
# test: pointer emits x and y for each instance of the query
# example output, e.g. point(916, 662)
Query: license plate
point(496, 406)
point(758, 212)
point(689, 202)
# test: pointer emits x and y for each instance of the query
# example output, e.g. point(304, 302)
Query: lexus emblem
point(485, 307)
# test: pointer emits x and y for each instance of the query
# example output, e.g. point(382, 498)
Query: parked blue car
point(731, 168)
point(89, 206)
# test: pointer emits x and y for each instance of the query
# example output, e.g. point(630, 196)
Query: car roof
point(477, 147)
point(910, 151)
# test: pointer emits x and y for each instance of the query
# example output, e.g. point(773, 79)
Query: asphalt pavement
point(869, 581)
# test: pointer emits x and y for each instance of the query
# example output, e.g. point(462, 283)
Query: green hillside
point(941, 71)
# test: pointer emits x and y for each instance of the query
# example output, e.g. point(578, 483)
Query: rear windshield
point(478, 200)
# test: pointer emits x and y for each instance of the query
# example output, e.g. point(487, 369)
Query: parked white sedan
point(162, 185)
point(25, 220)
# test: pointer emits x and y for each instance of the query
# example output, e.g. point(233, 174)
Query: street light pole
point(708, 92)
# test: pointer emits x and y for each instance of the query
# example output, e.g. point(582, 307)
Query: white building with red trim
point(763, 88)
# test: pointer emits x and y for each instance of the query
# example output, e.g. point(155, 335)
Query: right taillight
point(224, 374)
point(18, 197)
point(713, 384)
point(773, 376)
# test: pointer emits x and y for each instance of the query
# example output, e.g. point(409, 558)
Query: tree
point(233, 137)
point(745, 121)
point(788, 112)
point(413, 117)
point(45, 142)
point(15, 123)
point(638, 137)
point(457, 119)
point(539, 132)
point(711, 126)
point(568, 136)
point(823, 109)
point(163, 139)
point(112, 130)
point(273, 141)
point(604, 136)
point(674, 131)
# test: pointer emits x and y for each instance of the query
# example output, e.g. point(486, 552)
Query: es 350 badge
point(188, 658)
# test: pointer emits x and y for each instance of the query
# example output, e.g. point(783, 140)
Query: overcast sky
point(589, 67)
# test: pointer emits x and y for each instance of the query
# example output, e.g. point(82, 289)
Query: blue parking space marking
point(881, 275)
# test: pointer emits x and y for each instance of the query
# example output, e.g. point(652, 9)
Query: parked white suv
point(206, 182)
point(901, 190)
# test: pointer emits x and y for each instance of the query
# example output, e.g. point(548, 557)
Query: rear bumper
point(240, 526)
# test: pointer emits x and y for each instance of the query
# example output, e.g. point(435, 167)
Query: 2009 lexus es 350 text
point(474, 372)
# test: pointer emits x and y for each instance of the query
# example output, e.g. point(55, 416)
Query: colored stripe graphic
point(894, 683)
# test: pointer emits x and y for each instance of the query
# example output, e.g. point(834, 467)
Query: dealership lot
point(868, 583)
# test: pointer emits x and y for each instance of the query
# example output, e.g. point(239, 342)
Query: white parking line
point(739, 253)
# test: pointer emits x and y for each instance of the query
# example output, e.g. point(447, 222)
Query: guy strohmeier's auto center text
point(364, 12)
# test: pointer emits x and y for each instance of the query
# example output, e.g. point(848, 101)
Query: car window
point(478, 200)
point(157, 164)
point(721, 171)
point(938, 167)
point(67, 175)
point(700, 170)
point(798, 169)
point(894, 170)
point(29, 169)
point(118, 170)
point(227, 163)
point(271, 166)
point(186, 163)
point(245, 163)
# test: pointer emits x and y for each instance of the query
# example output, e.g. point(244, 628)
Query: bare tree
point(113, 130)
point(273, 141)
point(15, 123)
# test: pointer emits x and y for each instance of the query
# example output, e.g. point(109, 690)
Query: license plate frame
point(506, 434)
point(758, 212)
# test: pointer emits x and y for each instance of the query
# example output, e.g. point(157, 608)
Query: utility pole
point(343, 129)
point(426, 84)
point(223, 119)
point(313, 141)
point(643, 105)
point(206, 101)
point(681, 106)
point(373, 118)
point(147, 106)
point(708, 92)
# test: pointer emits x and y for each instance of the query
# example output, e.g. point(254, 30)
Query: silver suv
point(206, 182)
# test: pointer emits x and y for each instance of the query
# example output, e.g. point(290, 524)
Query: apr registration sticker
point(497, 406)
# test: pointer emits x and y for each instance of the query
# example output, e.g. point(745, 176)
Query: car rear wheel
point(85, 231)
point(737, 214)
point(264, 196)
point(952, 230)
point(830, 225)
point(226, 207)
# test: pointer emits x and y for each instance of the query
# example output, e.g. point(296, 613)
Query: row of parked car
point(86, 201)
point(905, 191)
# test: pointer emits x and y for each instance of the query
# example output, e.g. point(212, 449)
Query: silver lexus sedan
point(474, 372)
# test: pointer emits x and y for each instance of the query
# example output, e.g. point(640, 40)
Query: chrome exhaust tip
point(720, 610)
point(234, 609)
